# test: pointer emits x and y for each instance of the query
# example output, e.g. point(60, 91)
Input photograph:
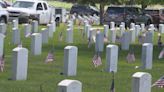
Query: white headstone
point(69, 36)
point(161, 28)
point(112, 25)
point(85, 25)
point(36, 43)
point(53, 26)
point(112, 35)
point(50, 30)
point(44, 32)
point(106, 29)
point(137, 30)
point(122, 29)
point(63, 15)
point(70, 86)
point(132, 35)
point(142, 27)
point(88, 27)
point(123, 24)
point(112, 58)
point(132, 26)
point(125, 41)
point(141, 82)
point(19, 63)
point(148, 37)
point(70, 60)
point(15, 23)
point(99, 45)
point(27, 29)
point(15, 36)
point(147, 55)
point(1, 43)
point(70, 24)
point(3, 28)
point(34, 26)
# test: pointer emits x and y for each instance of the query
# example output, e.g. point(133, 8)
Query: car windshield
point(115, 10)
point(23, 4)
point(152, 11)
point(94, 8)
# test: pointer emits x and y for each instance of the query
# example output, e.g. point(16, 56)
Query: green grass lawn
point(93, 79)
point(60, 4)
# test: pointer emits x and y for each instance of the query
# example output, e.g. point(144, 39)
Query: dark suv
point(84, 10)
point(127, 14)
point(157, 15)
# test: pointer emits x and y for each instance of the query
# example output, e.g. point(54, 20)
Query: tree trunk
point(101, 13)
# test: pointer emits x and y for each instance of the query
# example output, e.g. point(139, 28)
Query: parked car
point(26, 10)
point(4, 16)
point(127, 14)
point(156, 14)
point(84, 10)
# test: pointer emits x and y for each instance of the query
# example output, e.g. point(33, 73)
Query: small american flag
point(130, 57)
point(161, 54)
point(159, 41)
point(2, 62)
point(118, 38)
point(96, 60)
point(49, 58)
point(159, 83)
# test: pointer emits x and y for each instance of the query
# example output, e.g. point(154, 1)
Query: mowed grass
point(45, 77)
point(60, 4)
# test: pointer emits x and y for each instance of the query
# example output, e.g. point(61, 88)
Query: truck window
point(45, 6)
point(39, 7)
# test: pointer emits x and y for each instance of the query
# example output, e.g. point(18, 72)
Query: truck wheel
point(2, 20)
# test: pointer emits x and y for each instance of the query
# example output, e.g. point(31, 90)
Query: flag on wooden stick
point(50, 57)
point(130, 57)
point(159, 40)
point(97, 60)
point(159, 83)
point(161, 54)
point(2, 62)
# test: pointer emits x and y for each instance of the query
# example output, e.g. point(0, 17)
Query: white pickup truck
point(3, 15)
point(26, 10)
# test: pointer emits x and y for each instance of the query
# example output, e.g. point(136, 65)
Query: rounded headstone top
point(110, 46)
point(20, 49)
point(26, 24)
point(2, 24)
point(70, 47)
point(43, 29)
point(68, 82)
point(147, 44)
point(140, 74)
point(36, 34)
